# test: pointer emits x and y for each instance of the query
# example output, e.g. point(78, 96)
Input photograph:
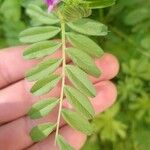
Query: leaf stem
point(63, 77)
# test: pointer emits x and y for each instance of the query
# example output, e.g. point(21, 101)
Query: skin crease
point(16, 100)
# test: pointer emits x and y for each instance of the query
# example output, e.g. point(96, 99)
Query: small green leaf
point(40, 132)
point(145, 42)
point(79, 101)
point(45, 85)
point(84, 43)
point(36, 34)
point(63, 145)
point(76, 121)
point(136, 16)
point(44, 69)
point(80, 80)
point(37, 13)
point(95, 4)
point(41, 49)
point(84, 61)
point(89, 27)
point(42, 108)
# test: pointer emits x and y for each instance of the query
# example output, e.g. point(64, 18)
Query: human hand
point(16, 100)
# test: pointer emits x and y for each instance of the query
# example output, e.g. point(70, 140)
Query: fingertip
point(109, 66)
point(106, 96)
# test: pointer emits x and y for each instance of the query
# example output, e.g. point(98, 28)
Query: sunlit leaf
point(43, 69)
point(41, 49)
point(84, 43)
point(95, 4)
point(63, 145)
point(76, 121)
point(80, 80)
point(84, 61)
point(42, 108)
point(80, 102)
point(36, 34)
point(37, 13)
point(89, 27)
point(45, 85)
point(40, 132)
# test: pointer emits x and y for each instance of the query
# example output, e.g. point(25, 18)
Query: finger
point(21, 101)
point(19, 138)
point(13, 66)
point(73, 137)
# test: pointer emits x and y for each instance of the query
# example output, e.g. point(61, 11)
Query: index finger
point(12, 65)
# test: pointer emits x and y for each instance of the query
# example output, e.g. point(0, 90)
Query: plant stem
point(63, 77)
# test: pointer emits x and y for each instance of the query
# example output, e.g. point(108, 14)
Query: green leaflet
point(76, 121)
point(145, 42)
point(42, 108)
point(63, 145)
point(80, 102)
point(73, 12)
point(44, 69)
point(84, 43)
point(88, 27)
point(95, 4)
point(137, 16)
point(36, 34)
point(80, 80)
point(41, 49)
point(37, 13)
point(84, 61)
point(44, 85)
point(40, 132)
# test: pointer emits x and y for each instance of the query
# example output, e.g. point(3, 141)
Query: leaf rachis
point(63, 75)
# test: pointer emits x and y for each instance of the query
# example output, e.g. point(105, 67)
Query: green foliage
point(83, 60)
point(63, 145)
point(45, 85)
point(84, 43)
point(88, 27)
point(80, 102)
point(42, 108)
point(80, 80)
point(41, 49)
point(125, 127)
point(45, 68)
point(41, 131)
point(37, 34)
point(77, 121)
point(69, 15)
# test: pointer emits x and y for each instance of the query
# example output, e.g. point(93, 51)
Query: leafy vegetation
point(125, 126)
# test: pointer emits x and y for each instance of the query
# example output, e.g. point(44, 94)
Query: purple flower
point(51, 4)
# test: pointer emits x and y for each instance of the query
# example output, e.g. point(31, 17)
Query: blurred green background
point(125, 126)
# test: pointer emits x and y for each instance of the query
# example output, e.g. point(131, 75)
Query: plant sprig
point(68, 21)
